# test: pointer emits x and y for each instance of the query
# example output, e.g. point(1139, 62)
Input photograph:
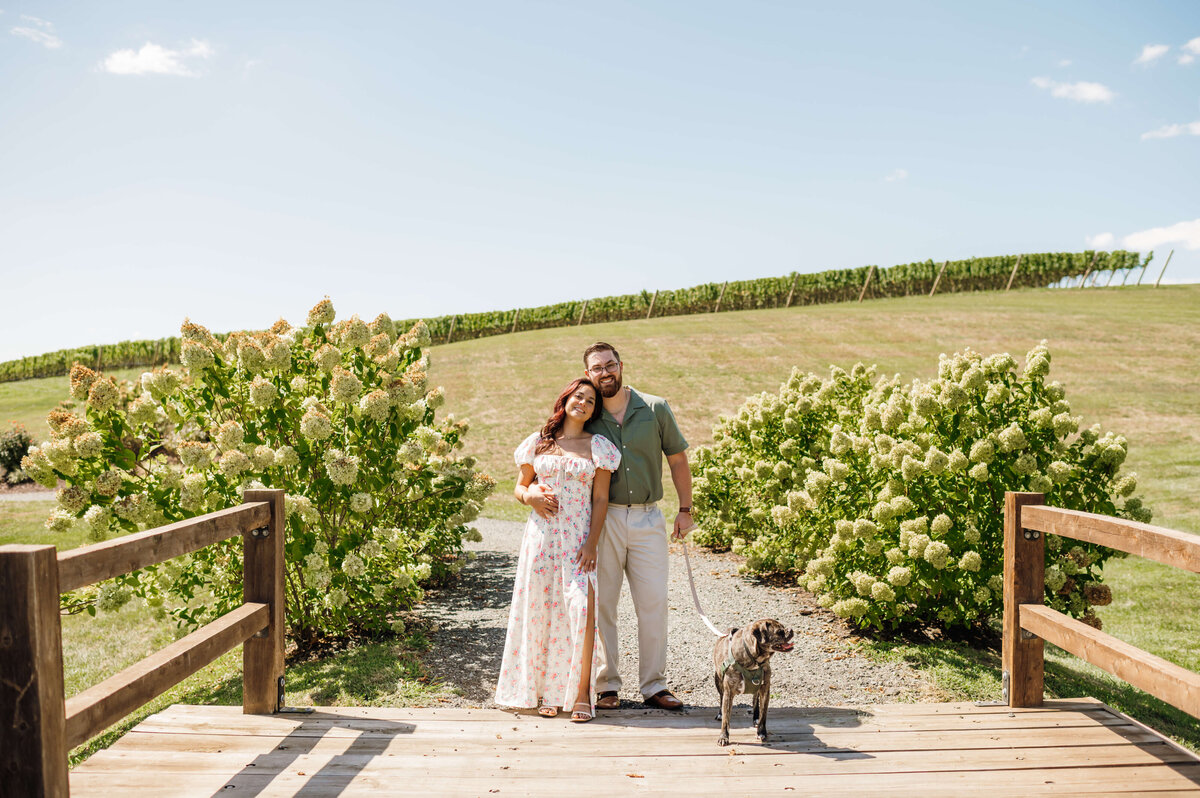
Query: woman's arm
point(586, 557)
point(543, 502)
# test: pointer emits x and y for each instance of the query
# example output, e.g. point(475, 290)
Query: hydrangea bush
point(340, 416)
point(887, 499)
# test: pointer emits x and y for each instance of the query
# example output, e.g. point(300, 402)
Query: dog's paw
point(763, 737)
point(718, 717)
point(723, 739)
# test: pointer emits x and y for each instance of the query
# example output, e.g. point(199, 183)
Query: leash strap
point(695, 597)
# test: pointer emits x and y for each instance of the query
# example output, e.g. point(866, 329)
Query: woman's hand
point(543, 502)
point(585, 558)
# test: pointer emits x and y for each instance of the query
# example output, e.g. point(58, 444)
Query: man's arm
point(681, 475)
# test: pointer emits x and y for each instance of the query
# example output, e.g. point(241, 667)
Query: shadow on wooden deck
point(1068, 747)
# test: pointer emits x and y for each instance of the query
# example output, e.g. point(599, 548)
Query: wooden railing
point(38, 727)
point(1027, 622)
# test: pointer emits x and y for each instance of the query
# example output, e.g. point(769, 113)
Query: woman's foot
point(582, 713)
point(547, 711)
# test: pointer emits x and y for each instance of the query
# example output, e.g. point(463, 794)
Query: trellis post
point(941, 271)
point(721, 296)
point(1083, 282)
point(653, 299)
point(866, 282)
point(516, 318)
point(1016, 266)
point(1164, 269)
point(582, 313)
point(792, 290)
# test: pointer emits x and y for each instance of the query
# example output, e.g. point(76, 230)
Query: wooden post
point(1024, 583)
point(582, 313)
point(262, 581)
point(653, 299)
point(450, 335)
point(941, 271)
point(721, 296)
point(1164, 268)
point(516, 318)
point(1014, 272)
point(33, 719)
point(1095, 255)
point(866, 282)
point(792, 290)
point(1145, 266)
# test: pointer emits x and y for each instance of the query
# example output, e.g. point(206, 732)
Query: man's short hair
point(599, 346)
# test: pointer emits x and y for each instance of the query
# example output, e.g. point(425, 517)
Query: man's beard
point(609, 389)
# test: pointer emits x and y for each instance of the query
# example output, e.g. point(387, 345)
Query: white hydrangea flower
point(997, 393)
point(263, 457)
point(109, 482)
point(342, 468)
point(73, 499)
point(361, 503)
point(851, 608)
point(230, 436)
point(979, 472)
point(338, 598)
point(321, 313)
point(346, 387)
point(894, 556)
point(89, 445)
point(103, 395)
point(191, 495)
point(937, 554)
point(1012, 438)
point(473, 535)
point(881, 591)
point(234, 463)
point(251, 357)
point(279, 356)
point(982, 595)
point(355, 333)
point(1060, 472)
point(435, 398)
point(263, 392)
point(917, 544)
point(286, 457)
point(327, 358)
point(60, 521)
point(99, 520)
point(353, 565)
point(970, 561)
point(958, 461)
point(1126, 485)
point(298, 384)
point(1040, 483)
point(376, 405)
point(315, 425)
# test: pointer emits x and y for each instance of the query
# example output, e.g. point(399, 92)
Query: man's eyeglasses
point(610, 368)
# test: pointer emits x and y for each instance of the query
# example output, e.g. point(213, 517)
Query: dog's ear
point(756, 639)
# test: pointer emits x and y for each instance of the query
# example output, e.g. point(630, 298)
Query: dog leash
point(695, 596)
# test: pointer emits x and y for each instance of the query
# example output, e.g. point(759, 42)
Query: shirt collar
point(635, 401)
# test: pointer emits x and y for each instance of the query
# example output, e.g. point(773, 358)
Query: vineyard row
point(835, 285)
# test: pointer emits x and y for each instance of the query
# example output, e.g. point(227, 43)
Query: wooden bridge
point(1023, 746)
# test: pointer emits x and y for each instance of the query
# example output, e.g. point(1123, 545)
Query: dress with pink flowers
point(543, 653)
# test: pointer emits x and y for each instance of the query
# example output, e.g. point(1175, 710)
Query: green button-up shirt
point(647, 432)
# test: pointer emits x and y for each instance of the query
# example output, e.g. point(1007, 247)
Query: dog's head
point(771, 636)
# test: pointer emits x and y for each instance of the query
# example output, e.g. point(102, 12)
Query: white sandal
point(580, 715)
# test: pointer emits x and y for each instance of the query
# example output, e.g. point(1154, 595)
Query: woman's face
point(581, 403)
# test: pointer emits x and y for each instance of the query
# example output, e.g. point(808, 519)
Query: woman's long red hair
point(554, 424)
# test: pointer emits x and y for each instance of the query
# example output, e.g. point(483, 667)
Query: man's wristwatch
point(685, 509)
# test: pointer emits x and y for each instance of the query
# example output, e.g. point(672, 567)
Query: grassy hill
point(1130, 360)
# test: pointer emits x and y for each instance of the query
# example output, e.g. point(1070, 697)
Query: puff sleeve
point(604, 453)
point(524, 454)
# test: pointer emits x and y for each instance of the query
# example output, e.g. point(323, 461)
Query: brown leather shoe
point(664, 700)
point(608, 700)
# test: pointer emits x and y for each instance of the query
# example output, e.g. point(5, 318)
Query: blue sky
point(236, 162)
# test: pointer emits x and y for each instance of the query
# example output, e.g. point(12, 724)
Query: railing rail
point(38, 727)
point(1027, 622)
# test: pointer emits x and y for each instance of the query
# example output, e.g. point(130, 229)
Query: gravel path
point(470, 619)
point(26, 496)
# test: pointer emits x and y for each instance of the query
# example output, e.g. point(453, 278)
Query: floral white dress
point(543, 653)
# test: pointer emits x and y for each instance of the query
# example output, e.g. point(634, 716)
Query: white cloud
point(1081, 92)
point(899, 174)
point(1066, 62)
point(1186, 234)
point(1186, 59)
point(1171, 131)
point(1100, 241)
point(154, 59)
point(1151, 53)
point(1193, 46)
point(41, 32)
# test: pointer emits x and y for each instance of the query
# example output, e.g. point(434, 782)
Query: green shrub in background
point(14, 445)
point(887, 499)
point(338, 415)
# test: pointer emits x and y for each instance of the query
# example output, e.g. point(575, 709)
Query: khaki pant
point(634, 545)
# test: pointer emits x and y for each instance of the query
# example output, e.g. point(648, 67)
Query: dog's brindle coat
point(751, 649)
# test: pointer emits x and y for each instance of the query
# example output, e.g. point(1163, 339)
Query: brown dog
point(743, 665)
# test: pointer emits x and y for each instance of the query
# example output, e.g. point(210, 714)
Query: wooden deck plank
point(1069, 748)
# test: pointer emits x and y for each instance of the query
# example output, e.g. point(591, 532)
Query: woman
point(548, 660)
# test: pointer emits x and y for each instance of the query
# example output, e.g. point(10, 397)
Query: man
point(634, 543)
